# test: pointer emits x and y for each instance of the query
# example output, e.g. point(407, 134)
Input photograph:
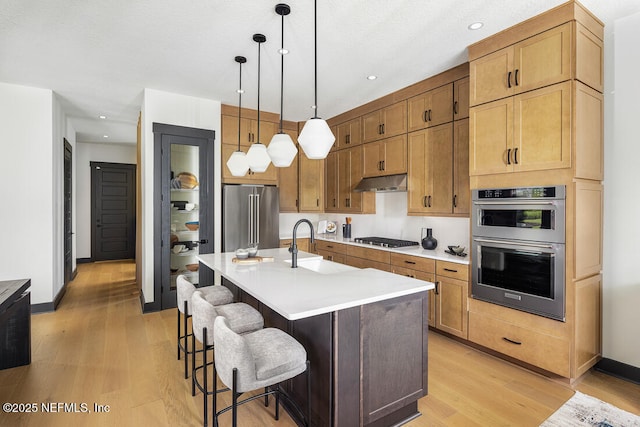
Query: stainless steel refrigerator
point(250, 217)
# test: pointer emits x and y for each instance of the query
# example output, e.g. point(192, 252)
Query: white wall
point(621, 288)
point(85, 154)
point(180, 110)
point(26, 170)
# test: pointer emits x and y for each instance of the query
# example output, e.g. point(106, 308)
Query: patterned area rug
point(584, 410)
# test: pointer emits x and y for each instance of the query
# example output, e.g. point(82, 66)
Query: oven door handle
point(514, 202)
point(512, 243)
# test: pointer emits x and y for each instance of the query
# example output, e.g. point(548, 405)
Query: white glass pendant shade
point(282, 150)
point(238, 164)
point(258, 158)
point(316, 138)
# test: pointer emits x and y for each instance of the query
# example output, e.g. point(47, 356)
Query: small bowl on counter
point(192, 225)
point(242, 254)
point(252, 252)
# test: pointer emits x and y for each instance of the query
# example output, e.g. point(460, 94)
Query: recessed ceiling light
point(476, 26)
point(102, 116)
point(105, 136)
point(372, 77)
point(283, 51)
point(240, 91)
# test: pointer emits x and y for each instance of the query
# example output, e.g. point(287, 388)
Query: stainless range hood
point(383, 183)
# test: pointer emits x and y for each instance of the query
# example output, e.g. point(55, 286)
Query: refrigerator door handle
point(256, 240)
point(251, 210)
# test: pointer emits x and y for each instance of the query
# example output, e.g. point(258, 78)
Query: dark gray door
point(183, 209)
point(68, 230)
point(113, 211)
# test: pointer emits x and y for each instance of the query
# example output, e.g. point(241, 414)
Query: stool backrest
point(231, 351)
point(204, 314)
point(184, 292)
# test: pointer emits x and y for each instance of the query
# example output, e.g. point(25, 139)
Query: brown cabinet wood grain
point(384, 123)
point(385, 157)
point(431, 108)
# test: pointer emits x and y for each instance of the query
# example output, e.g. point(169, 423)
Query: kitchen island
point(365, 332)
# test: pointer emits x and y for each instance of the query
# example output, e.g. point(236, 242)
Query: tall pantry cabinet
point(536, 119)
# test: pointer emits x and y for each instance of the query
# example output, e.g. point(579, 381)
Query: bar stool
point(217, 295)
point(242, 319)
point(256, 360)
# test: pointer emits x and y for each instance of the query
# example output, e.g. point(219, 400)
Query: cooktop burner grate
point(383, 241)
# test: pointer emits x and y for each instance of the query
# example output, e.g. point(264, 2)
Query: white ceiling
point(98, 55)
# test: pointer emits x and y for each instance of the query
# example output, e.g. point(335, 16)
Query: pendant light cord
point(315, 48)
point(259, 92)
point(282, 74)
point(239, 103)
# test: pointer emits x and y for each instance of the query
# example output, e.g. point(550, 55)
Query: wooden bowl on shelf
point(192, 225)
point(192, 267)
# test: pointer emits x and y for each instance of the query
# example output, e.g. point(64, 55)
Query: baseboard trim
point(148, 307)
point(619, 370)
point(58, 298)
point(83, 260)
point(43, 307)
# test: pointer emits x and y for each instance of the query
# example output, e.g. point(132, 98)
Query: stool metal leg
point(234, 397)
point(193, 365)
point(179, 350)
point(308, 421)
point(186, 341)
point(277, 401)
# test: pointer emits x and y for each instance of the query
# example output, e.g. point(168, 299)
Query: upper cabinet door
point(461, 99)
point(384, 123)
point(489, 76)
point(432, 108)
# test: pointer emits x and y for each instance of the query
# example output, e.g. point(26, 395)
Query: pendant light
point(316, 137)
point(257, 155)
point(237, 163)
point(281, 149)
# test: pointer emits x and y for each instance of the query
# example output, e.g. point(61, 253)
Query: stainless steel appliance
point(384, 242)
point(518, 247)
point(250, 217)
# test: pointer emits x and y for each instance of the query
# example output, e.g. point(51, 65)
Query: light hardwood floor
point(98, 348)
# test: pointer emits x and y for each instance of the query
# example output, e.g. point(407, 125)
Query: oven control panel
point(553, 192)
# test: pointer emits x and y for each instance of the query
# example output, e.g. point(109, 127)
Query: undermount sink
point(322, 266)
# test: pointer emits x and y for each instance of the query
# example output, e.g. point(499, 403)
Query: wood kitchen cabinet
point(288, 180)
point(385, 122)
point(535, 62)
point(360, 257)
point(461, 185)
point(303, 243)
point(461, 99)
point(430, 171)
point(348, 134)
point(527, 132)
point(331, 197)
point(432, 108)
point(311, 184)
point(418, 268)
point(332, 251)
point(248, 131)
point(451, 296)
point(385, 157)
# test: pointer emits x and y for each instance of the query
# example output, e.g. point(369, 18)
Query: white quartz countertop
point(438, 253)
point(297, 293)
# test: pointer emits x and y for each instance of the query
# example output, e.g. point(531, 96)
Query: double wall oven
point(518, 244)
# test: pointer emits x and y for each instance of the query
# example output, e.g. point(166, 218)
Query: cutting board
point(253, 260)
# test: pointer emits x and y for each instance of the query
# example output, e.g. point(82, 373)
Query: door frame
point(161, 212)
point(69, 272)
point(94, 214)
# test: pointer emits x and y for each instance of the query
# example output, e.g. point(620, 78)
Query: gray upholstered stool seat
point(256, 360)
point(216, 295)
point(242, 319)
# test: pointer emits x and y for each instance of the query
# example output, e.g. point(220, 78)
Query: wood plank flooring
point(98, 348)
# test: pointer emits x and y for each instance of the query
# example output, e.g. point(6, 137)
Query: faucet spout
point(294, 246)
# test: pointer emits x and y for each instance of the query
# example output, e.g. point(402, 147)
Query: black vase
point(429, 242)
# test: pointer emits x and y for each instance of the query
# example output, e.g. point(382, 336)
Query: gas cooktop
point(382, 241)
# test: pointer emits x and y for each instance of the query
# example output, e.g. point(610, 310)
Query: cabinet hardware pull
point(379, 129)
point(317, 202)
point(204, 241)
point(330, 247)
point(424, 116)
point(409, 262)
point(348, 139)
point(450, 270)
point(296, 203)
point(411, 275)
point(455, 200)
point(509, 156)
point(429, 115)
point(383, 165)
point(516, 78)
point(429, 202)
point(512, 341)
point(424, 201)
point(436, 290)
point(455, 107)
point(334, 203)
point(509, 79)
point(515, 156)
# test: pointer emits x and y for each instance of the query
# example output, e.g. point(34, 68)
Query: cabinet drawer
point(453, 270)
point(303, 244)
point(368, 254)
point(322, 245)
point(413, 262)
point(538, 349)
point(416, 274)
point(367, 263)
point(333, 256)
